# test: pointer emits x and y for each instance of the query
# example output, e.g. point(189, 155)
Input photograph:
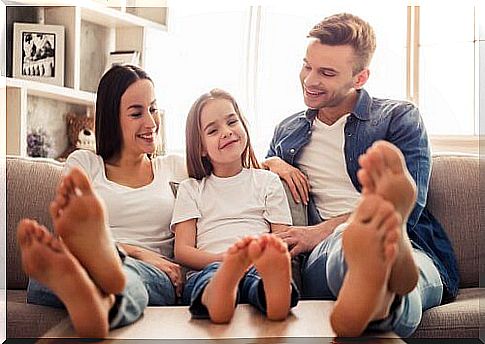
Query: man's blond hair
point(347, 29)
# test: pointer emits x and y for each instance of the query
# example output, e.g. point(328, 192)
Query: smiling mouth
point(228, 143)
point(314, 93)
point(148, 136)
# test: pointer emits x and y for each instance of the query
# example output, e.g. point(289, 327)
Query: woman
point(135, 201)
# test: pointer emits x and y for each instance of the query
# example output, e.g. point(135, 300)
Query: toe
point(81, 181)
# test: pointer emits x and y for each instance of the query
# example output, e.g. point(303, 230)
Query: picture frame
point(123, 57)
point(38, 53)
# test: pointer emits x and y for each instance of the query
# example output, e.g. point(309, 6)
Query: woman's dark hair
point(111, 88)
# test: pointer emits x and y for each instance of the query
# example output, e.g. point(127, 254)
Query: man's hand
point(304, 239)
point(297, 182)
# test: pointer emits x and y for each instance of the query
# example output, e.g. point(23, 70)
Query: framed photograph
point(123, 57)
point(38, 53)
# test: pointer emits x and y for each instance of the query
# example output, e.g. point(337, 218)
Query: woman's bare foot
point(271, 258)
point(384, 173)
point(79, 219)
point(220, 294)
point(370, 248)
point(46, 259)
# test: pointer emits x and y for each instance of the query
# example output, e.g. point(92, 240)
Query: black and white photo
point(39, 53)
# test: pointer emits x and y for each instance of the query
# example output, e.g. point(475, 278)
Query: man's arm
point(297, 181)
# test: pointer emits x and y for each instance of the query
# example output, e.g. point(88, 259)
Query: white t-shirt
point(136, 216)
point(323, 161)
point(230, 208)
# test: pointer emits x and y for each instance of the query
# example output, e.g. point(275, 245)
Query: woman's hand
point(172, 270)
point(297, 181)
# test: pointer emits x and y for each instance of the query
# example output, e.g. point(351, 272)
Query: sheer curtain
point(255, 52)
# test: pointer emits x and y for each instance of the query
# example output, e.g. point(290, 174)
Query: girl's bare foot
point(79, 219)
point(271, 258)
point(384, 173)
point(220, 294)
point(46, 259)
point(370, 247)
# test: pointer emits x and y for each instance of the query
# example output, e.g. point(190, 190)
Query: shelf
point(59, 93)
point(98, 13)
point(116, 19)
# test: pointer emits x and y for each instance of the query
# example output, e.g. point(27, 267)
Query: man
point(319, 149)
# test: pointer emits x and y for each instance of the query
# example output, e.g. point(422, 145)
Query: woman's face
point(139, 118)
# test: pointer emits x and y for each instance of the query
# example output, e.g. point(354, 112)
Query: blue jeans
point(323, 274)
point(145, 285)
point(250, 291)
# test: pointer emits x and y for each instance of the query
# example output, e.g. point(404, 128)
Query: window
point(255, 52)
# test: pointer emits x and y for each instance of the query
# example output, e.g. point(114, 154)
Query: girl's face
point(139, 118)
point(223, 136)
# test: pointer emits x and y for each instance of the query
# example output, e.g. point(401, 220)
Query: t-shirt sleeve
point(277, 209)
point(185, 207)
point(179, 168)
point(82, 159)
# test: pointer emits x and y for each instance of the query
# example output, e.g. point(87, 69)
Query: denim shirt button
point(349, 134)
point(292, 151)
point(309, 132)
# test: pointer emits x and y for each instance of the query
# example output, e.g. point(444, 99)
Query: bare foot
point(384, 173)
point(220, 294)
point(370, 246)
point(271, 258)
point(46, 259)
point(79, 219)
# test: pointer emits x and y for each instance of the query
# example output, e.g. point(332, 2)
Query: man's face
point(326, 75)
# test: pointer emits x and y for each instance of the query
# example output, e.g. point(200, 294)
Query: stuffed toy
point(80, 133)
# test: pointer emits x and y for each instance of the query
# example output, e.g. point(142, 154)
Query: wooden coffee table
point(310, 319)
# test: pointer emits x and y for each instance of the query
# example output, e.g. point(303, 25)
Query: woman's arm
point(185, 251)
point(171, 269)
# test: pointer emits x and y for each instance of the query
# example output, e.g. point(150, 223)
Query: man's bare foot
point(370, 247)
point(220, 294)
point(79, 219)
point(46, 259)
point(384, 173)
point(271, 258)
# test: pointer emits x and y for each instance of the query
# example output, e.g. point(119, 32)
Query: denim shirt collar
point(362, 108)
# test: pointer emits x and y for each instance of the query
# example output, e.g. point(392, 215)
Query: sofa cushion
point(29, 321)
point(458, 319)
point(454, 200)
point(31, 184)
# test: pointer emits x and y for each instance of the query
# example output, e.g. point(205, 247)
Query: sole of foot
point(219, 296)
point(46, 259)
point(384, 173)
point(272, 260)
point(370, 247)
point(79, 219)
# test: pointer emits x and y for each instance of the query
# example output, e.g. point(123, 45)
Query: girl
point(112, 288)
point(220, 210)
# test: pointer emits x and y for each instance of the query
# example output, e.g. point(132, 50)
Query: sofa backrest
point(453, 199)
point(31, 184)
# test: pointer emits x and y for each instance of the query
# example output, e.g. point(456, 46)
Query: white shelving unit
point(92, 30)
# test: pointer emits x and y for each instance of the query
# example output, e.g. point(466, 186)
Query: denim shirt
point(400, 123)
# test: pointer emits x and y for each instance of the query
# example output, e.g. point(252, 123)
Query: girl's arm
point(185, 251)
